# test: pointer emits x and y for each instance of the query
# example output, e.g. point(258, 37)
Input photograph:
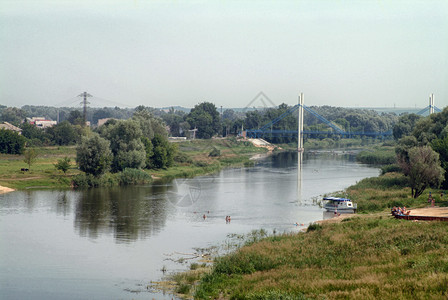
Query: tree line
point(204, 120)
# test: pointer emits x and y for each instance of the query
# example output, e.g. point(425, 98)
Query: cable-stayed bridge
point(334, 129)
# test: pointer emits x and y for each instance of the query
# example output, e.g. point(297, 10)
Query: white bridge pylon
point(300, 124)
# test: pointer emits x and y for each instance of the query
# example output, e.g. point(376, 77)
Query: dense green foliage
point(126, 144)
point(162, 153)
point(62, 134)
point(429, 131)
point(423, 168)
point(205, 117)
point(93, 155)
point(11, 142)
point(405, 125)
point(379, 156)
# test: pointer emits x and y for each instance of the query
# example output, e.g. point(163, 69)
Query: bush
point(201, 164)
point(181, 157)
point(11, 142)
point(84, 180)
point(133, 176)
point(314, 227)
point(390, 168)
point(215, 152)
point(378, 157)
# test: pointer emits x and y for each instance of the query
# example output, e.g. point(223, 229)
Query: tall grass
point(377, 194)
point(378, 156)
point(362, 258)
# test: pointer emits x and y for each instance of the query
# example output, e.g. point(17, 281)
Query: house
point(41, 122)
point(8, 126)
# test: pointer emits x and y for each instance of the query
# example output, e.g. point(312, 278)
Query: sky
point(165, 53)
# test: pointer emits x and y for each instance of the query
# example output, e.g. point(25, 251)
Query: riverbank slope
point(364, 256)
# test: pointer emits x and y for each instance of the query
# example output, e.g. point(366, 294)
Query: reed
point(384, 155)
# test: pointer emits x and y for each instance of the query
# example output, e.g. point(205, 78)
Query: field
point(194, 158)
point(41, 174)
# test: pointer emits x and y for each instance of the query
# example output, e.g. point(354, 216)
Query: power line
point(67, 102)
point(113, 102)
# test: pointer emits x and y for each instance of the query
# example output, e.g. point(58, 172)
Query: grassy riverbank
point(373, 256)
point(42, 173)
point(193, 159)
point(366, 256)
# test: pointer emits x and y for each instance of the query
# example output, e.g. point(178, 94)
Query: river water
point(111, 243)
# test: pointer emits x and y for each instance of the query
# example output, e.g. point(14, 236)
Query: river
point(111, 243)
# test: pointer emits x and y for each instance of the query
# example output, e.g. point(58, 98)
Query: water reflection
point(129, 213)
point(299, 177)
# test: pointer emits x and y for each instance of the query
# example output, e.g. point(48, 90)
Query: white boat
point(339, 204)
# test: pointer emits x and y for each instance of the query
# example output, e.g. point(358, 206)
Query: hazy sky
point(163, 53)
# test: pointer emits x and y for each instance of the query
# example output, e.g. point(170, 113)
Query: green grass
point(42, 173)
point(381, 193)
point(193, 161)
point(384, 155)
point(196, 160)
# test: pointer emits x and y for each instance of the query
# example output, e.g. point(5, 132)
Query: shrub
point(181, 157)
point(133, 176)
point(63, 164)
point(215, 152)
point(314, 227)
point(390, 168)
point(200, 164)
point(84, 180)
point(378, 157)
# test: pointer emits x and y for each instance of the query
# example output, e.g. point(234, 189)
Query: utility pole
point(84, 103)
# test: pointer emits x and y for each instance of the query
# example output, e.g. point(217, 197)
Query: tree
point(149, 150)
point(63, 164)
point(36, 136)
point(205, 117)
point(405, 125)
point(441, 147)
point(93, 155)
point(126, 145)
point(11, 142)
point(76, 118)
point(423, 169)
point(163, 153)
point(13, 115)
point(30, 157)
point(62, 134)
point(149, 125)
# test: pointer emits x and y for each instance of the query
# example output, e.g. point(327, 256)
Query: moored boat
point(339, 205)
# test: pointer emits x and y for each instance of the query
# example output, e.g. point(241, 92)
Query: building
point(41, 122)
point(102, 121)
point(11, 127)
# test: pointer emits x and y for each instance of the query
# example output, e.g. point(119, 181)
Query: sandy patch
point(430, 211)
point(4, 189)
